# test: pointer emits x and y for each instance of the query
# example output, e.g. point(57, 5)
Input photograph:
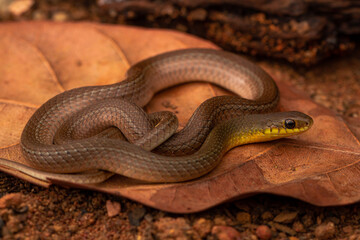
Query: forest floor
point(28, 211)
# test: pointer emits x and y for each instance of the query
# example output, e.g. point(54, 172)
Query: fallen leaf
point(40, 59)
point(286, 217)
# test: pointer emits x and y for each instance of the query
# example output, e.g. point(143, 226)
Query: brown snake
point(144, 79)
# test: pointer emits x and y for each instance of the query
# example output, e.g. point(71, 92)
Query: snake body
point(144, 79)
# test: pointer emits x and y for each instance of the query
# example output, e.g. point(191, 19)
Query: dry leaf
point(39, 60)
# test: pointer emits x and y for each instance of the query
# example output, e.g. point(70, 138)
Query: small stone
point(293, 238)
point(267, 216)
point(298, 226)
point(73, 227)
point(57, 228)
point(173, 228)
point(136, 215)
point(202, 226)
point(286, 217)
point(197, 15)
point(11, 200)
point(225, 233)
point(55, 236)
point(325, 230)
point(247, 235)
point(87, 219)
point(220, 220)
point(243, 217)
point(19, 7)
point(39, 15)
point(60, 17)
point(263, 232)
point(148, 217)
point(113, 208)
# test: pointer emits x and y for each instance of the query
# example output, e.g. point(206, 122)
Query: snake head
point(265, 127)
point(283, 124)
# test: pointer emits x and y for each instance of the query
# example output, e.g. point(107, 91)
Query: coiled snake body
point(144, 79)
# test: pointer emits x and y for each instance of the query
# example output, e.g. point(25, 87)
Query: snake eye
point(289, 123)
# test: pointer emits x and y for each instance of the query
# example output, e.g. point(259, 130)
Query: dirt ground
point(31, 212)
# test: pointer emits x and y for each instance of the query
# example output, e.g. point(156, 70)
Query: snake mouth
point(269, 134)
point(283, 132)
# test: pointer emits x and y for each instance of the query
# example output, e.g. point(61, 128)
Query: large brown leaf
point(40, 60)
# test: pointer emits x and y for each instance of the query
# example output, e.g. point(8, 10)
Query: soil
point(31, 212)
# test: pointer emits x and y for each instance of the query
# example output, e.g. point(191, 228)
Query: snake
point(217, 125)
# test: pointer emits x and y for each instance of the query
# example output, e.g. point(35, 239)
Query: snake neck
point(255, 128)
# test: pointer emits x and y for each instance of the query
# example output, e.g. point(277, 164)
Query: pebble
point(17, 8)
point(173, 228)
point(113, 208)
point(197, 15)
point(148, 217)
point(293, 238)
point(298, 227)
point(73, 227)
point(87, 219)
point(202, 226)
point(11, 200)
point(325, 231)
point(263, 232)
point(57, 227)
point(220, 220)
point(136, 215)
point(243, 217)
point(225, 233)
point(39, 15)
point(286, 217)
point(60, 17)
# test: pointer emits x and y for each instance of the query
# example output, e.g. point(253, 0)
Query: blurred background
point(299, 31)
